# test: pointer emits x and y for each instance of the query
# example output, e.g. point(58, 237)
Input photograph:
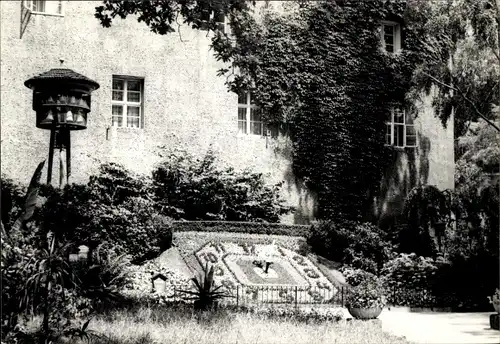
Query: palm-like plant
point(206, 293)
point(108, 272)
point(51, 272)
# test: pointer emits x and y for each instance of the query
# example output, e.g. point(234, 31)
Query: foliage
point(358, 244)
point(463, 61)
point(115, 202)
point(13, 195)
point(410, 279)
point(473, 245)
point(366, 290)
point(495, 298)
point(198, 189)
point(102, 278)
point(427, 212)
point(318, 70)
point(241, 227)
point(206, 293)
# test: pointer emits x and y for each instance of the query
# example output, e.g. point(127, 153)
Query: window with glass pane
point(127, 102)
point(389, 38)
point(411, 136)
point(43, 6)
point(117, 115)
point(388, 134)
point(256, 125)
point(400, 131)
point(242, 120)
point(249, 116)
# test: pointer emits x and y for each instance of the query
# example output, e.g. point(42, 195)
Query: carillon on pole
point(61, 100)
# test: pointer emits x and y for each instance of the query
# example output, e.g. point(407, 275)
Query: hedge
point(241, 227)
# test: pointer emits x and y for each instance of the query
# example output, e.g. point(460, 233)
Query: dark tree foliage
point(318, 69)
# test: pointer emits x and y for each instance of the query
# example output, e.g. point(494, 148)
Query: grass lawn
point(147, 326)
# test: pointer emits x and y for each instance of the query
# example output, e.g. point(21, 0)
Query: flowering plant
point(495, 300)
point(368, 293)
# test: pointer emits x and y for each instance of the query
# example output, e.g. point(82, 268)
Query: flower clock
point(266, 272)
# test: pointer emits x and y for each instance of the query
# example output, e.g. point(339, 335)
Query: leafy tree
point(463, 57)
point(427, 211)
point(319, 70)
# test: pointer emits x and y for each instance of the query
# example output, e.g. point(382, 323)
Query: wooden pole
point(51, 155)
point(68, 155)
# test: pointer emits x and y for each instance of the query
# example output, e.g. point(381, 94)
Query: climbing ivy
point(318, 72)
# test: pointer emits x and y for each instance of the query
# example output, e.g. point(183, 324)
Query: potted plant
point(495, 300)
point(366, 299)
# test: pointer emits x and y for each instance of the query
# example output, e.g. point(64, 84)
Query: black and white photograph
point(250, 171)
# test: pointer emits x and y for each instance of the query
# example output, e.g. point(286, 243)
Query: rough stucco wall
point(431, 163)
point(185, 104)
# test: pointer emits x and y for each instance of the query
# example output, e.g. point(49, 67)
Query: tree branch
point(466, 99)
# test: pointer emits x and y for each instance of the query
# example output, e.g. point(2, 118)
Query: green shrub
point(199, 189)
point(358, 244)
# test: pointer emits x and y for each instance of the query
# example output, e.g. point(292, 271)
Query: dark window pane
point(118, 84)
point(242, 114)
point(242, 98)
point(133, 111)
point(118, 95)
point(117, 110)
point(133, 85)
point(410, 130)
point(256, 128)
point(398, 116)
point(242, 127)
point(388, 29)
point(117, 121)
point(255, 115)
point(399, 135)
point(411, 141)
point(134, 97)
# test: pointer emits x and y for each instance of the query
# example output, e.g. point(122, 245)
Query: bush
point(366, 289)
point(358, 244)
point(12, 195)
point(82, 215)
point(103, 275)
point(198, 189)
point(410, 280)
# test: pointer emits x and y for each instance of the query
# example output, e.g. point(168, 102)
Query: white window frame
point(125, 103)
point(396, 34)
point(390, 136)
point(30, 5)
point(249, 106)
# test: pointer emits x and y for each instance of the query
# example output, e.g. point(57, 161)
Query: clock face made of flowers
point(244, 265)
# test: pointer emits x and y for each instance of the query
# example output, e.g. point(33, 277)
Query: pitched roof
point(62, 74)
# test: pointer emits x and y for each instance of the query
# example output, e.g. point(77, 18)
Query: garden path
point(434, 327)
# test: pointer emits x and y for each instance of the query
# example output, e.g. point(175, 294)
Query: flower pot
point(365, 313)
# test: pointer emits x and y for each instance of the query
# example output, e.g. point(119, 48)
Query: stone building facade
point(163, 91)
